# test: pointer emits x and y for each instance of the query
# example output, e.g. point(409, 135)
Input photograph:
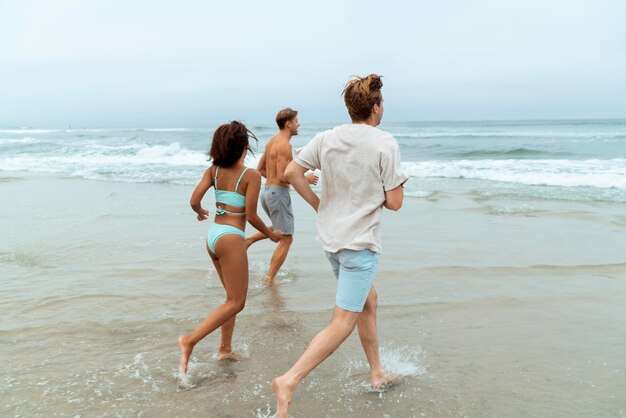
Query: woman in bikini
point(236, 194)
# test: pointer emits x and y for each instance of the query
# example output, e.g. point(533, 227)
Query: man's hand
point(203, 215)
point(312, 178)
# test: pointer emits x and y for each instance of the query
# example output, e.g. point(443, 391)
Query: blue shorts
point(355, 272)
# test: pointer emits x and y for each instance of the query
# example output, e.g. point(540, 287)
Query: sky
point(107, 63)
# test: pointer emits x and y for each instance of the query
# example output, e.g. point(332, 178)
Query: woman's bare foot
point(284, 393)
point(229, 355)
point(186, 347)
point(269, 281)
point(386, 380)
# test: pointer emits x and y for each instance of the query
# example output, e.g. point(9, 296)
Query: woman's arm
point(198, 194)
point(252, 197)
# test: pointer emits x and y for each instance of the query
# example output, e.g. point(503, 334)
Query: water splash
point(242, 349)
point(139, 370)
point(196, 374)
point(184, 382)
point(266, 413)
point(403, 360)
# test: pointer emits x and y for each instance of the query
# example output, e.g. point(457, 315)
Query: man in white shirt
point(361, 174)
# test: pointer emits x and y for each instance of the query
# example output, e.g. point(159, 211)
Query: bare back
point(275, 160)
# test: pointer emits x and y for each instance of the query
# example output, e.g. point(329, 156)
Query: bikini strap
point(215, 179)
point(240, 177)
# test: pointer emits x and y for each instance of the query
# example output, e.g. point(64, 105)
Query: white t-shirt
point(358, 164)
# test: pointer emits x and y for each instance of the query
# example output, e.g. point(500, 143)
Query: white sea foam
point(166, 129)
point(172, 154)
point(565, 173)
point(102, 130)
point(418, 193)
point(417, 133)
point(168, 155)
point(25, 140)
point(28, 131)
point(177, 156)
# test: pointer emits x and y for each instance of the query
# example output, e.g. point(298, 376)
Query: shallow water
point(489, 306)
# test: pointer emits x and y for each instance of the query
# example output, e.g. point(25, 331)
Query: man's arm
point(295, 175)
point(394, 198)
point(285, 156)
point(261, 167)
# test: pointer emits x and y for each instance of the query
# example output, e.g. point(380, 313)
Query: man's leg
point(259, 235)
point(322, 346)
point(368, 334)
point(278, 258)
point(255, 237)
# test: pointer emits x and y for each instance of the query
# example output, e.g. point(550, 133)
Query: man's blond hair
point(284, 116)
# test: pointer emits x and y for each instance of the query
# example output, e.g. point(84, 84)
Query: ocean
point(572, 160)
point(501, 284)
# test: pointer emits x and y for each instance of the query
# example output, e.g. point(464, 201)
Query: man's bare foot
point(269, 281)
point(283, 393)
point(386, 380)
point(229, 355)
point(186, 348)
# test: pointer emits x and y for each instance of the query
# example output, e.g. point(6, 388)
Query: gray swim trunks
point(276, 202)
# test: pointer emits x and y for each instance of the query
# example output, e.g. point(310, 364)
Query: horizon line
point(200, 126)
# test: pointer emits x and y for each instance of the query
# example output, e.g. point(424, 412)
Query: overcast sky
point(194, 63)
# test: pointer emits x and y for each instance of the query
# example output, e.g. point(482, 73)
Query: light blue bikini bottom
point(217, 231)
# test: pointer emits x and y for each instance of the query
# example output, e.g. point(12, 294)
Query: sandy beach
point(501, 286)
point(488, 307)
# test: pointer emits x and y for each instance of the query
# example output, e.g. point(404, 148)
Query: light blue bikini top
point(229, 198)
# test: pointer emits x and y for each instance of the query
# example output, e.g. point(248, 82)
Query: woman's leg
point(225, 351)
point(233, 261)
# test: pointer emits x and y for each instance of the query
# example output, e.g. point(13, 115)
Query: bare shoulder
point(252, 174)
point(270, 144)
point(251, 180)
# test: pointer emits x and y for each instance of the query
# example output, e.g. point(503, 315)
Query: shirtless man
point(275, 197)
